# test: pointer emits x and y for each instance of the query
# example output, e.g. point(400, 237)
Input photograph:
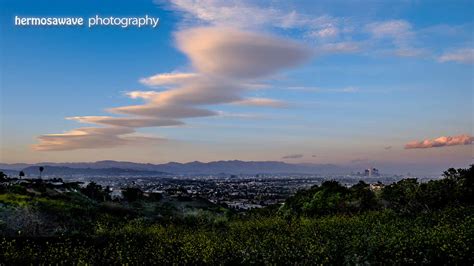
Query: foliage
point(95, 192)
point(132, 194)
point(406, 223)
point(3, 177)
point(380, 237)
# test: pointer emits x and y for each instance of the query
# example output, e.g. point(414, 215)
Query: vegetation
point(403, 223)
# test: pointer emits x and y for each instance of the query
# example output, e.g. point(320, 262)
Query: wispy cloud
point(440, 142)
point(360, 160)
point(293, 156)
point(325, 33)
point(329, 34)
point(343, 47)
point(248, 15)
point(133, 122)
point(168, 79)
point(224, 13)
point(410, 52)
point(349, 89)
point(262, 102)
point(326, 30)
point(465, 55)
point(92, 138)
point(399, 31)
point(398, 37)
point(249, 116)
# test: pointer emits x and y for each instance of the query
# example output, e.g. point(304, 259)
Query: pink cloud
point(262, 102)
point(92, 138)
point(239, 54)
point(168, 79)
point(126, 121)
point(441, 142)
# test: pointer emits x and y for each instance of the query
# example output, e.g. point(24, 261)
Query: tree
point(3, 177)
point(463, 180)
point(330, 198)
point(362, 194)
point(21, 174)
point(95, 192)
point(405, 196)
point(41, 168)
point(131, 194)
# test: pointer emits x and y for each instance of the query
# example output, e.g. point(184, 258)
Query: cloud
point(91, 138)
point(440, 142)
point(224, 13)
point(126, 121)
point(239, 54)
point(264, 102)
point(226, 61)
point(241, 115)
point(319, 28)
point(242, 14)
point(410, 52)
point(168, 79)
point(349, 89)
point(400, 34)
point(465, 55)
point(398, 30)
point(201, 91)
point(360, 160)
point(293, 156)
point(226, 64)
point(339, 47)
point(227, 58)
point(163, 111)
point(329, 32)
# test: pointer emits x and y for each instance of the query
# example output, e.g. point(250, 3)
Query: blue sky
point(340, 82)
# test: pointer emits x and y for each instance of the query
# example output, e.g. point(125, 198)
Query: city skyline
point(345, 83)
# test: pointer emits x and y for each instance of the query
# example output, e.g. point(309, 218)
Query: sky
point(370, 83)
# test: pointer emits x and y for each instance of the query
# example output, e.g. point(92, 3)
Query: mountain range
point(114, 168)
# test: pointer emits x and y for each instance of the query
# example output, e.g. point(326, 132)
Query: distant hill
point(63, 171)
point(217, 167)
point(243, 167)
point(9, 172)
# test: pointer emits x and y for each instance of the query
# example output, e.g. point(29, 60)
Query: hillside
point(403, 223)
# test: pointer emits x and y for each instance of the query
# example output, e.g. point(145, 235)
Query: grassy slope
point(443, 237)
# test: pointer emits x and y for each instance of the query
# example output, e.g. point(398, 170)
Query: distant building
point(116, 194)
point(370, 172)
point(376, 186)
point(375, 172)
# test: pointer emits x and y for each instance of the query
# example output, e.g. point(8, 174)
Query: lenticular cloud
point(441, 142)
point(238, 54)
point(226, 64)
